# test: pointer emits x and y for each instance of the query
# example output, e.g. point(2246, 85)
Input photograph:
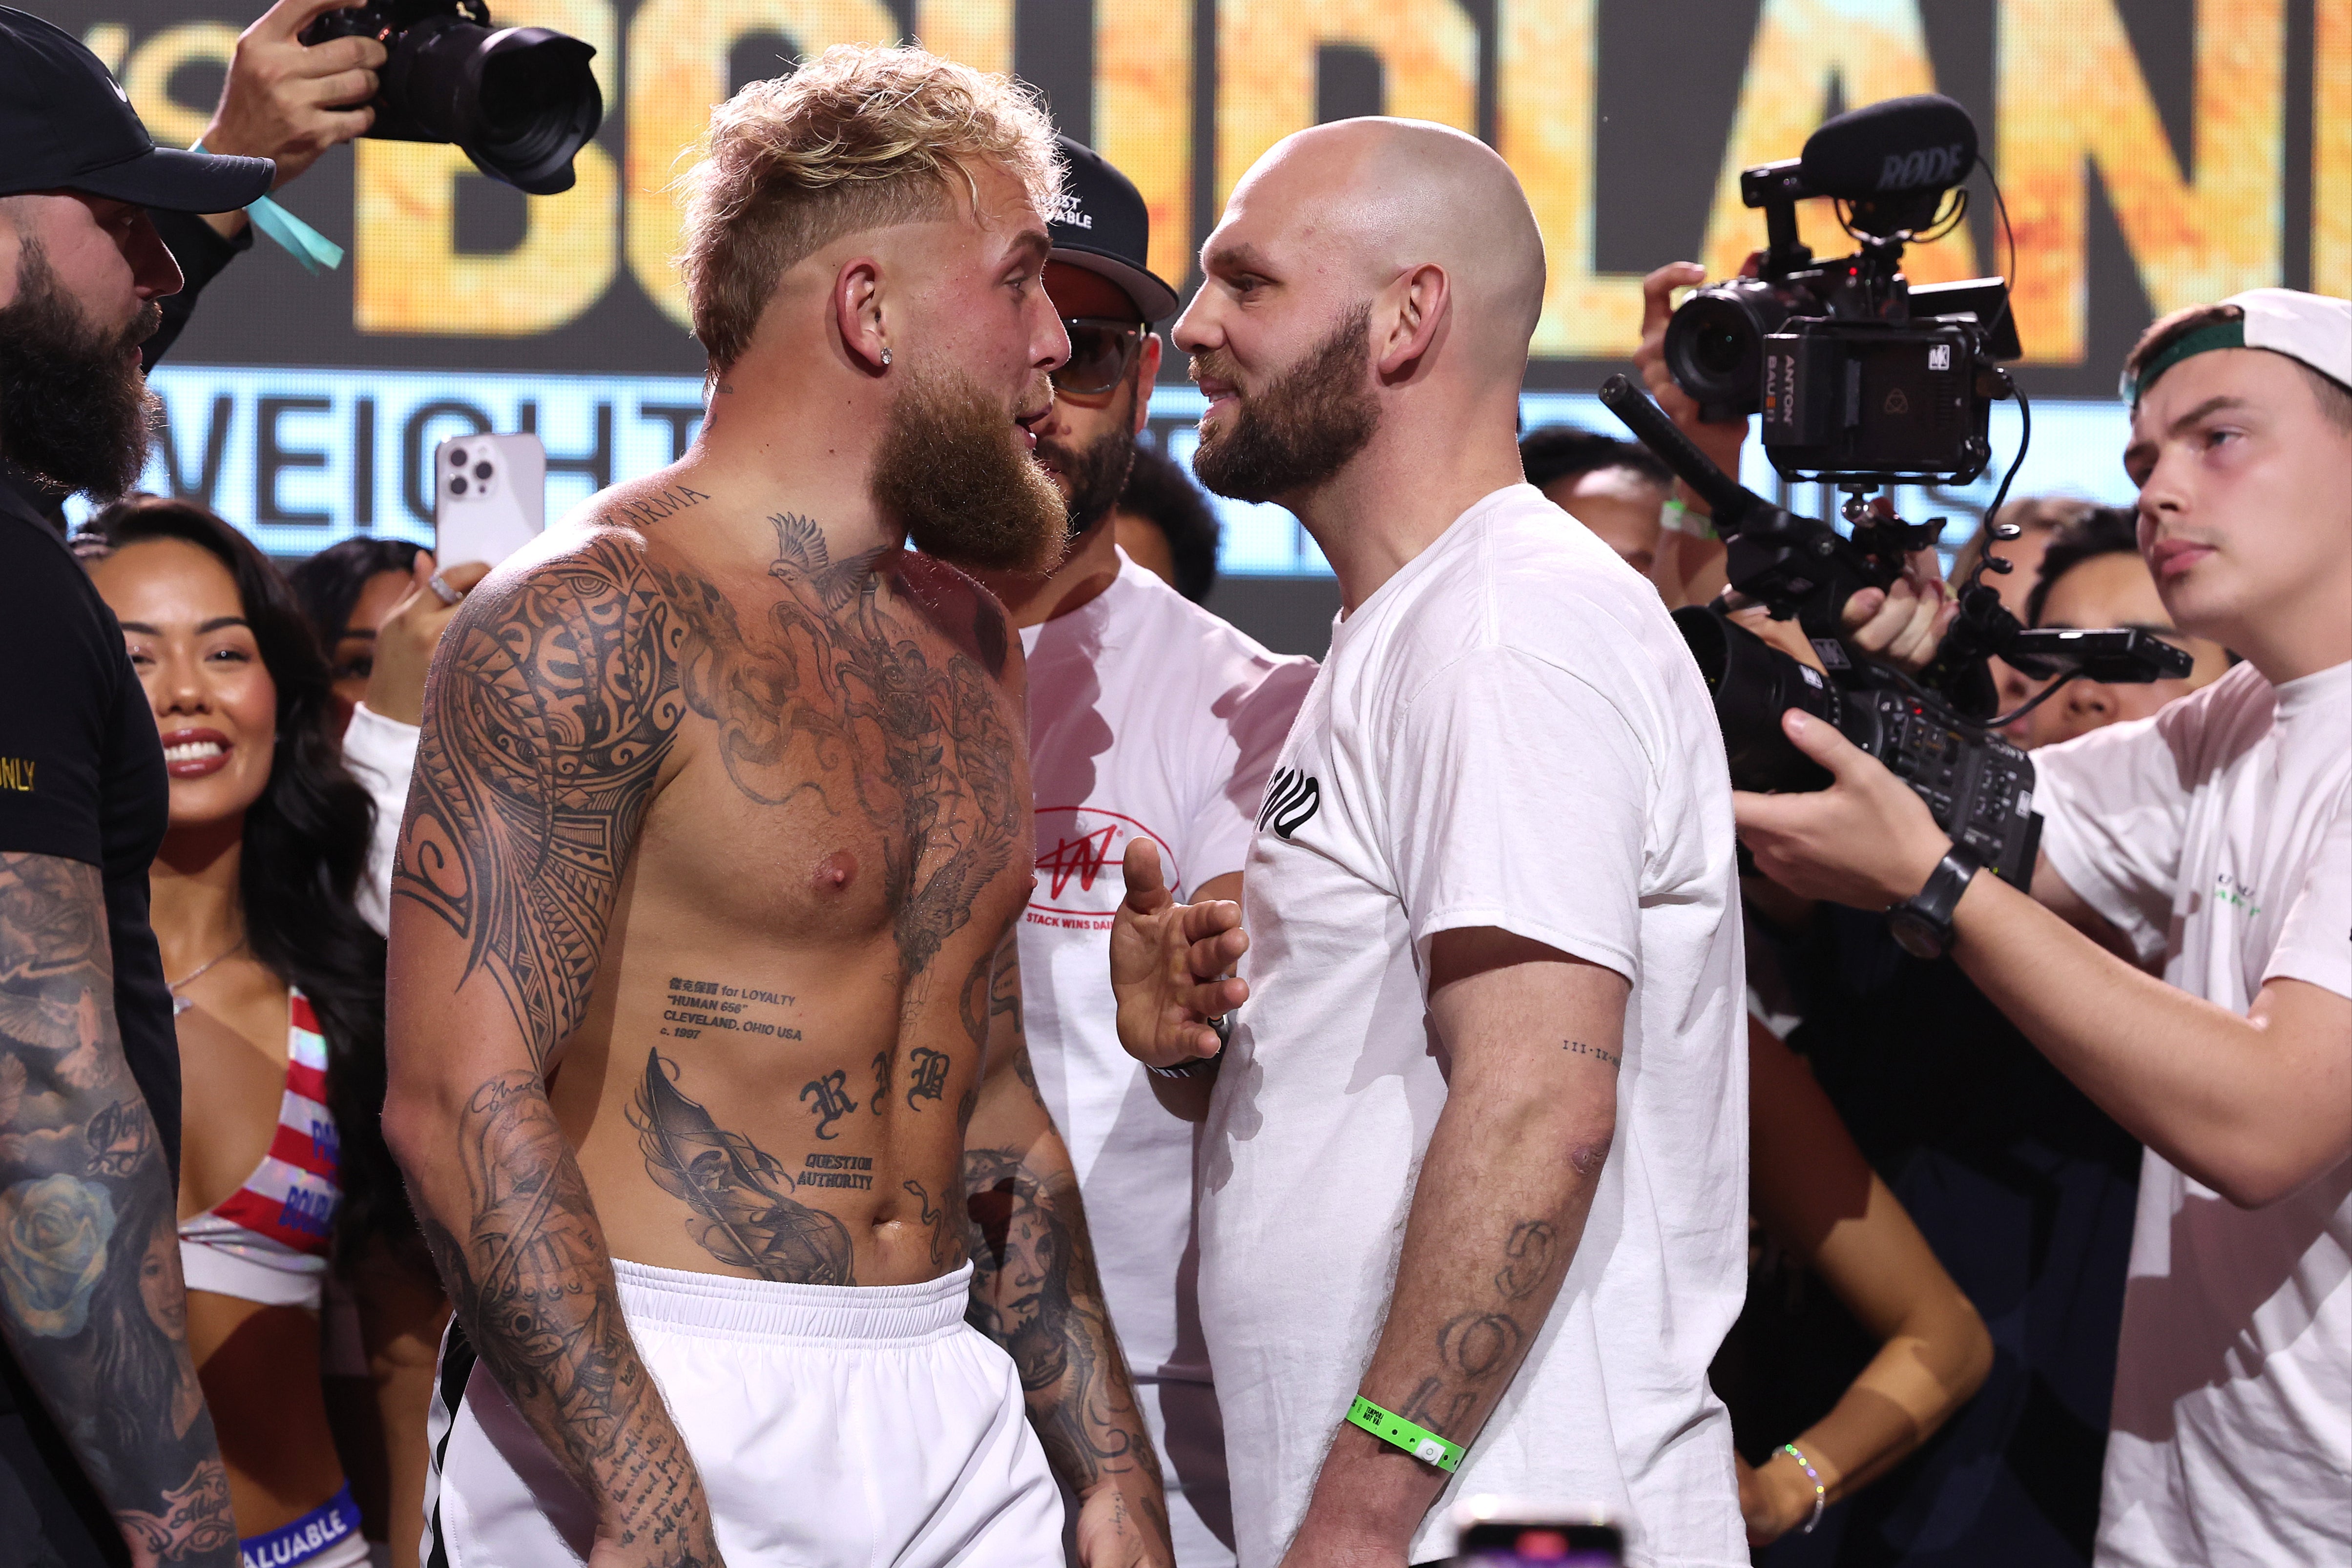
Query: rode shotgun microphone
point(1925, 142)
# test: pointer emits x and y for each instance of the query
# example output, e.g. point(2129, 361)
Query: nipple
point(833, 873)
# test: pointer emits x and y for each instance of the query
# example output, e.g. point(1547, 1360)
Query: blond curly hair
point(863, 136)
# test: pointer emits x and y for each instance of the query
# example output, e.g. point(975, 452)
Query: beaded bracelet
point(1821, 1492)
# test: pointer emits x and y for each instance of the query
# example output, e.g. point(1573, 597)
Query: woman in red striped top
point(279, 989)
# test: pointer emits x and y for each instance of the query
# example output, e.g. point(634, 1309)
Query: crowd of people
point(828, 1011)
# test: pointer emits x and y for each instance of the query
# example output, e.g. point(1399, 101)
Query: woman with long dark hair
point(277, 984)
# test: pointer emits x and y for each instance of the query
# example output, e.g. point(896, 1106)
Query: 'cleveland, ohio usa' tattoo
point(91, 1300)
point(696, 1005)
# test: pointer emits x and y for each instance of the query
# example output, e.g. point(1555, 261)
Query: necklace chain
point(181, 1004)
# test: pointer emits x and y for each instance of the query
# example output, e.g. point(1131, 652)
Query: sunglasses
point(1101, 350)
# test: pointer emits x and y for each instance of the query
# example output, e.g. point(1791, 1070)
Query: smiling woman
point(277, 990)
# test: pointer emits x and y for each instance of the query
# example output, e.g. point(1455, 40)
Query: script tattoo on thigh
point(745, 1215)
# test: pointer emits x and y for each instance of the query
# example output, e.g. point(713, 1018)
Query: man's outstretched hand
point(1166, 958)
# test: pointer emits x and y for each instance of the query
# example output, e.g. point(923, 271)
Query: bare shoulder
point(967, 615)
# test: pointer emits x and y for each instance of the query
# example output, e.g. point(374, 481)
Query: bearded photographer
point(103, 1424)
point(2217, 838)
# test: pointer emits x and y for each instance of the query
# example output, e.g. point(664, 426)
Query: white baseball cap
point(2311, 327)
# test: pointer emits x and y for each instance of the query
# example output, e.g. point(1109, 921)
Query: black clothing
point(81, 777)
point(2025, 1191)
point(68, 126)
point(202, 253)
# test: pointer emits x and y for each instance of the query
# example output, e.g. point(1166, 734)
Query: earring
point(885, 359)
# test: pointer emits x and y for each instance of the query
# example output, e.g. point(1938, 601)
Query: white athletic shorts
point(834, 1426)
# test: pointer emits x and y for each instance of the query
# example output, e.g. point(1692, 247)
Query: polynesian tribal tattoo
point(89, 1266)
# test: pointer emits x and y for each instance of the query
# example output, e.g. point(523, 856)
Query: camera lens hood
point(519, 102)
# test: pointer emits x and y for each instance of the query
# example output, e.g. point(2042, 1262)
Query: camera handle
point(1794, 566)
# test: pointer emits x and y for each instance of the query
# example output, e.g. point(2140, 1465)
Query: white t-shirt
point(1148, 717)
point(2218, 835)
point(381, 755)
point(1510, 733)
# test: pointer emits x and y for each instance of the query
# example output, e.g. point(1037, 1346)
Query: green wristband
point(1420, 1443)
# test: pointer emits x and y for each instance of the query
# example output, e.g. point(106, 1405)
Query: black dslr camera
point(1858, 375)
point(1937, 733)
point(520, 101)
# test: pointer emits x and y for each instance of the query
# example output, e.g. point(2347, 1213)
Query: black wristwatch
point(1224, 1024)
point(1923, 922)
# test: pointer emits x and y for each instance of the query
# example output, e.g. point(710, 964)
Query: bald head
point(1376, 197)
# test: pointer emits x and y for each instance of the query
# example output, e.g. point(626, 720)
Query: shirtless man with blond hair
point(703, 912)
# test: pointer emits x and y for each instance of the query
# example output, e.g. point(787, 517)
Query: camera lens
point(1753, 683)
point(481, 470)
point(1714, 344)
point(457, 457)
point(457, 485)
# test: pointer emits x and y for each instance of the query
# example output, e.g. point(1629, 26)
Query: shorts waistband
point(306, 1539)
point(836, 1314)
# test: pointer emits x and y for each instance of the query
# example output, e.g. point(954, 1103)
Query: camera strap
point(291, 234)
point(1419, 1442)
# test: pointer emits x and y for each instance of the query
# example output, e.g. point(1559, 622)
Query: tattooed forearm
point(1036, 1292)
point(553, 702)
point(1577, 1048)
point(91, 1304)
point(532, 1284)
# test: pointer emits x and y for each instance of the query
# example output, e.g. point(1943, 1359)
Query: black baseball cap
point(1105, 228)
point(67, 125)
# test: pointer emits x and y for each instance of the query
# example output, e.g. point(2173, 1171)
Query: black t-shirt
point(81, 777)
point(81, 773)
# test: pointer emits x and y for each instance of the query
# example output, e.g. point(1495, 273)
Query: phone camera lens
point(457, 457)
point(481, 470)
point(457, 485)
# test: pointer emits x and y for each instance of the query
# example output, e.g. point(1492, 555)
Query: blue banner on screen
point(301, 458)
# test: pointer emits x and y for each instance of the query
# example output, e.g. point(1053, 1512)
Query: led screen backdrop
point(2151, 153)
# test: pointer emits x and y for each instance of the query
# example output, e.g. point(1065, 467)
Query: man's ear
point(1407, 319)
point(857, 314)
point(1147, 371)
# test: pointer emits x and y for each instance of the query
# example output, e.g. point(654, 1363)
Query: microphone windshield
point(1925, 142)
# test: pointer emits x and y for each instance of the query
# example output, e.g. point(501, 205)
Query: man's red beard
point(949, 471)
point(1307, 424)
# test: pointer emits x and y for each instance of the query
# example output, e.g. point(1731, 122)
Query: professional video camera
point(520, 101)
point(1936, 732)
point(1859, 376)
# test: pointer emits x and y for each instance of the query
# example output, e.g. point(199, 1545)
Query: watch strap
point(1931, 907)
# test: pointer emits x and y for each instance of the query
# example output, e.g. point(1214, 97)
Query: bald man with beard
point(1474, 1177)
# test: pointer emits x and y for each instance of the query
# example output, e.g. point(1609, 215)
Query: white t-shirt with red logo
point(1148, 717)
point(2218, 837)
